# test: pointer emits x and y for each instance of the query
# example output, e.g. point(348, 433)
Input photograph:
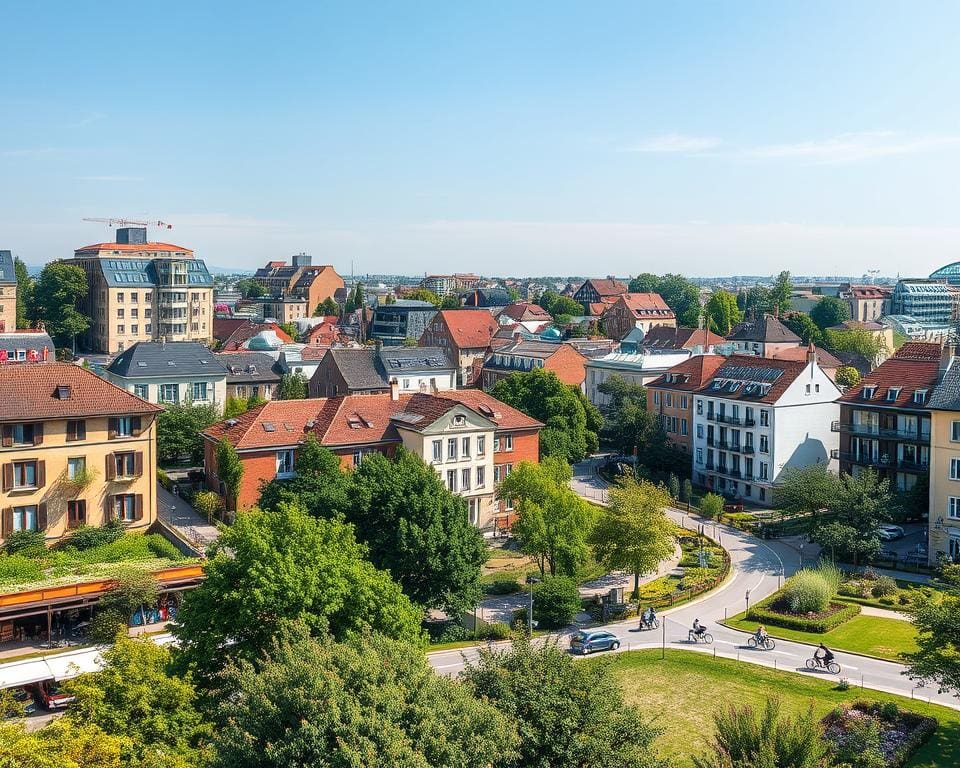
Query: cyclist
point(761, 635)
point(698, 628)
point(823, 655)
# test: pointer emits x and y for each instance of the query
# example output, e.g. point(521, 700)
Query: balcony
point(870, 430)
point(749, 422)
point(883, 462)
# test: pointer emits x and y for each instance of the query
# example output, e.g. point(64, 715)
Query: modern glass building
point(950, 273)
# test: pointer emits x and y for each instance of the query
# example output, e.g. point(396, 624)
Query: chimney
point(394, 389)
point(811, 353)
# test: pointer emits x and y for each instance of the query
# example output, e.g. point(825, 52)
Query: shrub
point(90, 536)
point(694, 577)
point(673, 485)
point(686, 491)
point(496, 631)
point(886, 601)
point(850, 589)
point(807, 591)
point(18, 569)
point(160, 547)
point(711, 505)
point(454, 633)
point(842, 685)
point(764, 614)
point(884, 587)
point(164, 480)
point(26, 543)
point(556, 600)
point(502, 587)
point(904, 598)
point(208, 504)
point(889, 711)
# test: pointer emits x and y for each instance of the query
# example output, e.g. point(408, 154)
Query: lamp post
point(748, 601)
point(531, 580)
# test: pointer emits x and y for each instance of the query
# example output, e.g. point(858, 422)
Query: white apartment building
point(756, 418)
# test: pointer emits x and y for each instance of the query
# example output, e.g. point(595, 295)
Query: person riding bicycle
point(761, 634)
point(648, 616)
point(823, 655)
point(698, 628)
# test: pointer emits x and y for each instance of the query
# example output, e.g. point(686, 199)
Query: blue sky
point(504, 138)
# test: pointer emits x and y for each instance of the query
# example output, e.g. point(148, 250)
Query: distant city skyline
point(510, 139)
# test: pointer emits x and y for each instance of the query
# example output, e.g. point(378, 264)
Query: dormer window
point(920, 396)
point(869, 392)
point(893, 393)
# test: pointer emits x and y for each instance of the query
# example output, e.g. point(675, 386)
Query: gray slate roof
point(766, 329)
point(369, 369)
point(946, 395)
point(142, 273)
point(8, 275)
point(33, 340)
point(244, 367)
point(173, 358)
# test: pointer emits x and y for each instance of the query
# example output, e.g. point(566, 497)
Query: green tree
point(829, 311)
point(368, 702)
point(62, 744)
point(417, 530)
point(871, 347)
point(686, 491)
point(254, 400)
point(571, 421)
point(424, 294)
point(722, 312)
point(570, 714)
point(780, 294)
point(450, 302)
point(24, 294)
point(208, 504)
point(290, 329)
point(327, 308)
point(293, 386)
point(673, 486)
point(55, 297)
point(864, 504)
point(234, 406)
point(230, 471)
point(133, 590)
point(282, 566)
point(645, 282)
point(847, 376)
point(756, 298)
point(683, 297)
point(556, 602)
point(553, 523)
point(807, 489)
point(319, 483)
point(804, 327)
point(768, 739)
point(711, 506)
point(179, 428)
point(632, 532)
point(558, 305)
point(249, 288)
point(936, 659)
point(134, 698)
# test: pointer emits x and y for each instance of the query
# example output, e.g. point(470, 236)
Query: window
point(169, 393)
point(763, 471)
point(507, 442)
point(120, 313)
point(26, 518)
point(656, 397)
point(700, 431)
point(285, 463)
point(868, 392)
point(357, 457)
point(120, 298)
point(76, 430)
point(465, 479)
point(683, 427)
point(497, 473)
point(953, 507)
point(474, 505)
point(699, 407)
point(124, 426)
point(669, 399)
point(452, 480)
point(125, 464)
point(76, 467)
point(24, 434)
point(140, 390)
point(920, 396)
point(481, 445)
point(133, 298)
point(893, 393)
point(481, 477)
point(452, 448)
point(125, 507)
point(438, 450)
point(465, 447)
point(763, 493)
point(121, 330)
point(496, 443)
point(955, 431)
point(683, 402)
point(76, 513)
point(24, 474)
point(199, 390)
point(764, 418)
point(699, 455)
point(764, 444)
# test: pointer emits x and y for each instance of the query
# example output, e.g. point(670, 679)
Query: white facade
point(163, 390)
point(742, 446)
point(634, 368)
point(425, 381)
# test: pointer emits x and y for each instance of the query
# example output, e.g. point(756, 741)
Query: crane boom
point(130, 222)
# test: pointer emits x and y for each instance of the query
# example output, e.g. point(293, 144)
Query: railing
point(885, 462)
point(869, 430)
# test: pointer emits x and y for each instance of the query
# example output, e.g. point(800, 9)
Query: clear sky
point(503, 138)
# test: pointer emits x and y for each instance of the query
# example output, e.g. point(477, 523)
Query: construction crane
point(131, 223)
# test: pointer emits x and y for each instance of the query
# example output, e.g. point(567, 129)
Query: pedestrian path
point(184, 519)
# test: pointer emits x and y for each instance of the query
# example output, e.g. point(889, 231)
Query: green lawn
point(683, 691)
point(869, 635)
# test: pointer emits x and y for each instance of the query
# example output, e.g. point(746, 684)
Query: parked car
point(891, 532)
point(48, 695)
point(587, 642)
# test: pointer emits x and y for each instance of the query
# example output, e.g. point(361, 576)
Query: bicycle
point(767, 643)
point(699, 637)
point(655, 624)
point(833, 668)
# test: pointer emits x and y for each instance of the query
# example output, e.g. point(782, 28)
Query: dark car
point(587, 641)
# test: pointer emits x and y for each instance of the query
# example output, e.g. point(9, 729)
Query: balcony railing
point(869, 430)
point(884, 462)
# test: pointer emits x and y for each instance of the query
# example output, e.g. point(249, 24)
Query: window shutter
point(7, 435)
point(138, 507)
point(112, 428)
point(42, 516)
point(38, 433)
point(82, 430)
point(111, 506)
point(135, 425)
point(111, 469)
point(41, 474)
point(138, 463)
point(6, 524)
point(7, 476)
point(71, 431)
point(81, 512)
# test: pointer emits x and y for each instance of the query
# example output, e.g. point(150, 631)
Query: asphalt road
point(757, 566)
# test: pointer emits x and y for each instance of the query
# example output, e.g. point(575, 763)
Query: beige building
point(944, 467)
point(143, 291)
point(8, 293)
point(285, 309)
point(75, 450)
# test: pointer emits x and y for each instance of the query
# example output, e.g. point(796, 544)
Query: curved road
point(757, 566)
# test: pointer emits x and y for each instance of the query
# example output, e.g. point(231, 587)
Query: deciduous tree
point(292, 386)
point(133, 590)
point(178, 430)
point(557, 305)
point(420, 294)
point(780, 293)
point(24, 294)
point(829, 311)
point(936, 659)
point(319, 484)
point(230, 471)
point(722, 312)
point(54, 301)
point(804, 327)
point(62, 744)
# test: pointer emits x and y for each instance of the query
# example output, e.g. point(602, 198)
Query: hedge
point(761, 612)
point(699, 589)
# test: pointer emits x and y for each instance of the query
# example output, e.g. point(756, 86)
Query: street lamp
point(748, 601)
point(531, 580)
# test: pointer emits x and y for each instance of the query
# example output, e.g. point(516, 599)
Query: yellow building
point(944, 405)
point(8, 293)
point(74, 449)
point(143, 291)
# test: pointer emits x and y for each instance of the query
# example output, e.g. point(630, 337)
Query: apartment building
point(757, 417)
point(929, 302)
point(250, 374)
point(471, 439)
point(75, 450)
point(170, 372)
point(141, 291)
point(522, 356)
point(943, 405)
point(300, 279)
point(464, 335)
point(367, 371)
point(867, 303)
point(405, 319)
point(642, 311)
point(285, 309)
point(762, 335)
point(26, 346)
point(8, 293)
point(450, 285)
point(670, 396)
point(884, 422)
point(634, 367)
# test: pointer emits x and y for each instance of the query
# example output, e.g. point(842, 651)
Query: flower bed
point(883, 730)
point(772, 611)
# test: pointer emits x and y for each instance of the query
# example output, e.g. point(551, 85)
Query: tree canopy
point(55, 296)
point(847, 376)
point(829, 311)
point(293, 386)
point(178, 430)
point(804, 327)
point(870, 346)
point(24, 294)
point(280, 566)
point(422, 294)
point(319, 484)
point(572, 421)
point(558, 305)
point(780, 294)
point(682, 296)
point(722, 312)
point(936, 659)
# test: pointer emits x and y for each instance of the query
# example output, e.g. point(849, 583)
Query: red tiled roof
point(522, 311)
point(691, 374)
point(355, 419)
point(224, 326)
point(789, 369)
point(312, 353)
point(647, 305)
point(469, 328)
point(606, 287)
point(133, 247)
point(666, 337)
point(824, 358)
point(916, 365)
point(242, 334)
point(29, 392)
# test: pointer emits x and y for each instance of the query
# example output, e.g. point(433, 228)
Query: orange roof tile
point(689, 375)
point(133, 247)
point(647, 304)
point(469, 328)
point(916, 365)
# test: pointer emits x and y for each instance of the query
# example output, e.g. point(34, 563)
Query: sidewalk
point(178, 514)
